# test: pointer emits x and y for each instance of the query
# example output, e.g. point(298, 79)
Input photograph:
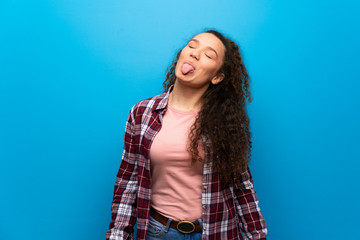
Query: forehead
point(212, 41)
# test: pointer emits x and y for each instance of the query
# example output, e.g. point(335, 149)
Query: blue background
point(71, 70)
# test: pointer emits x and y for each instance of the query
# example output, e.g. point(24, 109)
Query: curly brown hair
point(222, 123)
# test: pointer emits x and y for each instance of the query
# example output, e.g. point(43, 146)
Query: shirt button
point(205, 187)
point(204, 207)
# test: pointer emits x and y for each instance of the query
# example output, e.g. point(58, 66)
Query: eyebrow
point(195, 40)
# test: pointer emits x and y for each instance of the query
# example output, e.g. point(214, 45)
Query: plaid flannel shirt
point(226, 211)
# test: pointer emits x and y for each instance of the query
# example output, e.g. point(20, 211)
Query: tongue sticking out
point(187, 68)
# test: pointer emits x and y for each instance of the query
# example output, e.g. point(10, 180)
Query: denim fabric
point(156, 231)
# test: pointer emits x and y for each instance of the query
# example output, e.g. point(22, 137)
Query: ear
point(218, 78)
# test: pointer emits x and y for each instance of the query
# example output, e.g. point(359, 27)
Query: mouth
point(187, 68)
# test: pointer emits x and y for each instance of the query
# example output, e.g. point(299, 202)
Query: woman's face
point(200, 60)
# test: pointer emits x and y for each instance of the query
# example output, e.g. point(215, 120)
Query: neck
point(186, 98)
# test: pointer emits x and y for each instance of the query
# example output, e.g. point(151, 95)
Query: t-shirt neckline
point(191, 112)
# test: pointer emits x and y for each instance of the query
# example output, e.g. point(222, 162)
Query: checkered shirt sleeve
point(123, 208)
point(252, 222)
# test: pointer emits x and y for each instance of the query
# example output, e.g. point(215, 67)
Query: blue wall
point(71, 70)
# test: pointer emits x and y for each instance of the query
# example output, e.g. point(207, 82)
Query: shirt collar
point(163, 99)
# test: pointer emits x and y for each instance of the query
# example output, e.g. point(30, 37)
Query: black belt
point(181, 226)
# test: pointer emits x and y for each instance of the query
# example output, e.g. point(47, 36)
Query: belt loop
point(167, 225)
point(201, 224)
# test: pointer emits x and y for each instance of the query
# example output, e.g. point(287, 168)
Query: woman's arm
point(252, 222)
point(123, 206)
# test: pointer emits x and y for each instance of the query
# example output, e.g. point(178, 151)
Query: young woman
point(184, 171)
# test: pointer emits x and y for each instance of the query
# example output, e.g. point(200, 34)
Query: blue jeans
point(156, 231)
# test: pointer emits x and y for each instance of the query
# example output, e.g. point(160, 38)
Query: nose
point(195, 54)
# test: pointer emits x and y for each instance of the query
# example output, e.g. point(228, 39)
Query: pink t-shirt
point(176, 183)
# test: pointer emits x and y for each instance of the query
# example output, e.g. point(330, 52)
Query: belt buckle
point(185, 227)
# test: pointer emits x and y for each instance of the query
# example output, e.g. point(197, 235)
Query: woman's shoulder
point(150, 104)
